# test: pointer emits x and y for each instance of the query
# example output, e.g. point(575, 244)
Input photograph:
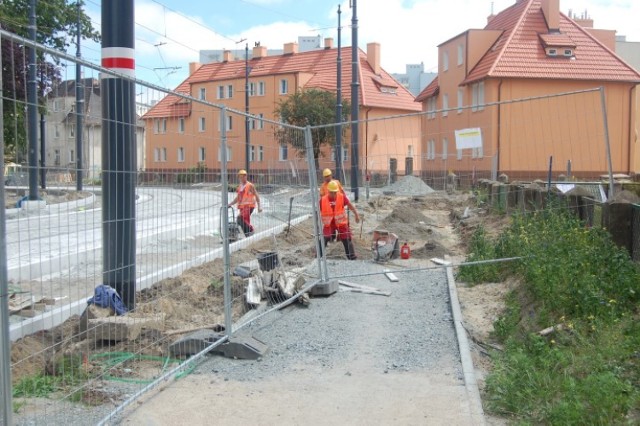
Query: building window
point(72, 156)
point(410, 151)
point(163, 154)
point(459, 154)
point(203, 93)
point(57, 105)
point(220, 92)
point(156, 155)
point(345, 154)
point(431, 149)
point(56, 157)
point(181, 155)
point(230, 91)
point(252, 154)
point(229, 122)
point(460, 100)
point(202, 154)
point(72, 131)
point(445, 105)
point(283, 153)
point(156, 126)
point(431, 107)
point(228, 154)
point(284, 87)
point(163, 126)
point(57, 131)
point(202, 124)
point(261, 88)
point(260, 153)
point(252, 89)
point(181, 125)
point(477, 153)
point(460, 54)
point(445, 146)
point(445, 61)
point(477, 103)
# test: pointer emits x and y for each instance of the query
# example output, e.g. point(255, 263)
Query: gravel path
point(351, 357)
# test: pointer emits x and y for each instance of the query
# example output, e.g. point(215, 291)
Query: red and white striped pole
point(119, 174)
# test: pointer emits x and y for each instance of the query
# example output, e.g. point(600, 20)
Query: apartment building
point(182, 133)
point(531, 50)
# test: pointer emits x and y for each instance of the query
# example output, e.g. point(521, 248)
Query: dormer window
point(552, 52)
point(568, 52)
point(558, 45)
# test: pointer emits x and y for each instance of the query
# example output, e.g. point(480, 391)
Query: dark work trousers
point(243, 219)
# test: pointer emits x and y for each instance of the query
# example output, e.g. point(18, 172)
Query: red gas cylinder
point(405, 251)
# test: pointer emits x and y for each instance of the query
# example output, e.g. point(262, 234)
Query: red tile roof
point(381, 91)
point(432, 89)
point(519, 53)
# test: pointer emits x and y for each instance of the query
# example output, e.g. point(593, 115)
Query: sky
point(170, 33)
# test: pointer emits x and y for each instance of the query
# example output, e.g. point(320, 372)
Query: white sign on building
point(469, 138)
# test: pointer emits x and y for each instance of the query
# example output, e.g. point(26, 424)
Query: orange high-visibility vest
point(246, 197)
point(328, 213)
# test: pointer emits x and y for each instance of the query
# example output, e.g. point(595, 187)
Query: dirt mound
point(407, 224)
point(408, 186)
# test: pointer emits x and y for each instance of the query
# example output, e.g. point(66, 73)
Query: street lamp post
point(247, 130)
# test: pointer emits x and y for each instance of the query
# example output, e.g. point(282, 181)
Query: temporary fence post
point(5, 341)
point(224, 218)
point(605, 120)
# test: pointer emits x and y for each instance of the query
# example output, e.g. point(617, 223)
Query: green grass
point(587, 373)
point(69, 372)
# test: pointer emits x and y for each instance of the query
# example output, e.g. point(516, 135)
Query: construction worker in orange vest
point(247, 198)
point(327, 177)
point(334, 218)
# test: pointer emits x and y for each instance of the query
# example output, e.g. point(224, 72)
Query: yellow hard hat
point(326, 172)
point(333, 186)
point(242, 172)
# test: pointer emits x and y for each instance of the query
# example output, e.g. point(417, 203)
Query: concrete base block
point(326, 288)
point(34, 205)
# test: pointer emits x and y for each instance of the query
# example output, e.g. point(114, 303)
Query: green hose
point(118, 358)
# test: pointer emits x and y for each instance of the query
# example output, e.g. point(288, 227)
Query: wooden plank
point(439, 261)
point(364, 291)
point(391, 276)
point(362, 287)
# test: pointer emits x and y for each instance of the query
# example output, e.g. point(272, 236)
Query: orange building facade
point(183, 133)
point(505, 81)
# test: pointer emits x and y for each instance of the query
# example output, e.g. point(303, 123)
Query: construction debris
point(359, 288)
point(122, 328)
point(391, 276)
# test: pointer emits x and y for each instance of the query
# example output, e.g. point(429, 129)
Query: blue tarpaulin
point(107, 297)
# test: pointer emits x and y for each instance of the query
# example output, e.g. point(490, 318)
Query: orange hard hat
point(333, 186)
point(326, 172)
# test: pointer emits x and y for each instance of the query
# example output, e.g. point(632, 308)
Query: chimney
point(290, 48)
point(226, 56)
point(328, 43)
point(551, 12)
point(193, 67)
point(373, 57)
point(259, 52)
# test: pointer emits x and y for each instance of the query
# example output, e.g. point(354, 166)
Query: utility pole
point(32, 107)
point(247, 130)
point(354, 101)
point(119, 150)
point(79, 109)
point(339, 102)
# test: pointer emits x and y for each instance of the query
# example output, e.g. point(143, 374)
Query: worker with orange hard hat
point(327, 177)
point(334, 218)
point(247, 198)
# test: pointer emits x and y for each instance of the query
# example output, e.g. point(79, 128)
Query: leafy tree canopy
point(310, 107)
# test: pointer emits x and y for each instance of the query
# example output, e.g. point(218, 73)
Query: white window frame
point(261, 88)
point(459, 154)
point(229, 91)
point(431, 107)
point(460, 99)
point(56, 157)
point(445, 148)
point(345, 154)
point(202, 124)
point(203, 93)
point(260, 124)
point(156, 155)
point(477, 102)
point(56, 131)
point(163, 155)
point(431, 149)
point(477, 152)
point(460, 54)
point(260, 153)
point(445, 61)
point(181, 155)
point(72, 131)
point(72, 156)
point(283, 88)
point(252, 154)
point(283, 152)
point(220, 93)
point(229, 152)
point(445, 104)
point(202, 154)
point(156, 126)
point(181, 125)
point(163, 126)
point(252, 89)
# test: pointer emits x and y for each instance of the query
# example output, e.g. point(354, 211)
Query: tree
point(57, 26)
point(310, 107)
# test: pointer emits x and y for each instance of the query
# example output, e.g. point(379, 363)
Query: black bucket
point(268, 261)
